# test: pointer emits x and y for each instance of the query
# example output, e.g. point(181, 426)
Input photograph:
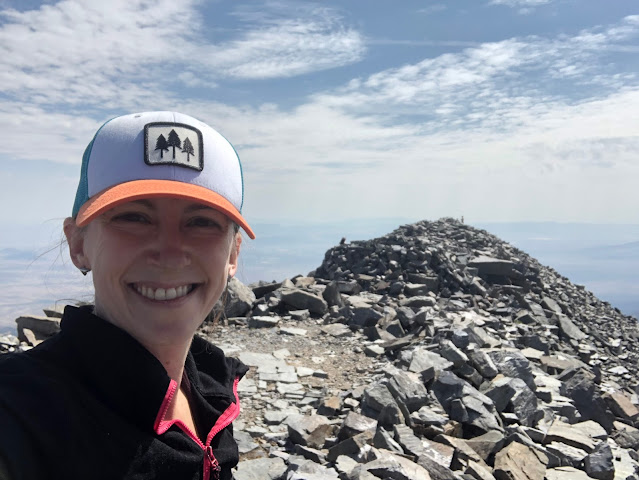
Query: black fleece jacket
point(89, 403)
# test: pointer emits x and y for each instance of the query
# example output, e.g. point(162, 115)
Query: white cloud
point(520, 3)
point(496, 131)
point(524, 7)
point(32, 133)
point(288, 38)
point(292, 47)
point(121, 53)
point(89, 53)
point(494, 85)
point(499, 128)
point(561, 162)
point(436, 8)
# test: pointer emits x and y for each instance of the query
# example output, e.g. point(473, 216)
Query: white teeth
point(161, 293)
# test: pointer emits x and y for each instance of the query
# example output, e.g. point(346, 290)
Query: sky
point(495, 110)
point(498, 110)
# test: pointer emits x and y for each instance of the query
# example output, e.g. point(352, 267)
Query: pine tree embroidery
point(187, 147)
point(161, 145)
point(174, 141)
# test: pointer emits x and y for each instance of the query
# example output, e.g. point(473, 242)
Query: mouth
point(171, 293)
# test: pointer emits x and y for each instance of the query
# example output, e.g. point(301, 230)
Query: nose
point(169, 249)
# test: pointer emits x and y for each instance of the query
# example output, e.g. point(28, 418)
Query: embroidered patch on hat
point(173, 144)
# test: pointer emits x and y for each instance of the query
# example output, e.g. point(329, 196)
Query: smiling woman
point(159, 265)
point(126, 390)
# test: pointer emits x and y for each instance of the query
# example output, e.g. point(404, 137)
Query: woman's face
point(159, 265)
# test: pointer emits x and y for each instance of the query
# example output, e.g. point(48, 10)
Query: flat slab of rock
point(423, 359)
point(41, 326)
point(519, 462)
point(293, 331)
point(303, 300)
point(571, 330)
point(566, 473)
point(54, 311)
point(560, 362)
point(253, 359)
point(418, 301)
point(263, 322)
point(308, 430)
point(351, 446)
point(390, 465)
point(492, 266)
point(374, 351)
point(337, 330)
point(621, 406)
point(260, 469)
point(284, 377)
point(354, 424)
point(584, 435)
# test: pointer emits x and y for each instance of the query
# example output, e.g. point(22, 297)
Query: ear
point(234, 254)
point(75, 239)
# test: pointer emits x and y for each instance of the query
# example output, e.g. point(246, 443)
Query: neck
point(172, 358)
point(170, 350)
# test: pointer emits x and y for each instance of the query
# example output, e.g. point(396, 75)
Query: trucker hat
point(154, 154)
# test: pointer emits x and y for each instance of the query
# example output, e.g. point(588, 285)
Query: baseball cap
point(153, 154)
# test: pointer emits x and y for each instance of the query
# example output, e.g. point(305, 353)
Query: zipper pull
point(214, 465)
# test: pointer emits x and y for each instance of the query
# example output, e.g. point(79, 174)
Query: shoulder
point(212, 360)
point(212, 372)
point(32, 387)
point(36, 388)
point(17, 450)
point(40, 367)
point(23, 402)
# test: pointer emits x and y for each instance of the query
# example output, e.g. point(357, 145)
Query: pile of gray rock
point(435, 352)
point(489, 366)
point(32, 330)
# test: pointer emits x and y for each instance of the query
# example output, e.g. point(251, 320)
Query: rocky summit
point(435, 352)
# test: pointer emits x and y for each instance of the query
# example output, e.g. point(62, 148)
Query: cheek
point(218, 266)
point(108, 256)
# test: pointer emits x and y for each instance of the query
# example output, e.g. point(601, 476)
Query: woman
point(125, 390)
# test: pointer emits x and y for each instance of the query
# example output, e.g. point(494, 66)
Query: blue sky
point(497, 110)
point(502, 110)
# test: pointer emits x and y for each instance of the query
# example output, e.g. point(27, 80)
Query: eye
point(205, 222)
point(132, 217)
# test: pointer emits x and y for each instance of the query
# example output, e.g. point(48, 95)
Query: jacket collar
point(122, 373)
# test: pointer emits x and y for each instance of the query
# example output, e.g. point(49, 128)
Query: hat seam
point(239, 162)
point(84, 169)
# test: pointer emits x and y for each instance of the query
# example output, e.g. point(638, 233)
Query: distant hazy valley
point(604, 258)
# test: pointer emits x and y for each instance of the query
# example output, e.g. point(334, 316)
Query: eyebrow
point(193, 207)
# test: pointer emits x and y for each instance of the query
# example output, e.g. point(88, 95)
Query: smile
point(163, 293)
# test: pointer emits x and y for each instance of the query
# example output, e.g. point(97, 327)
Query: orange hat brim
point(139, 189)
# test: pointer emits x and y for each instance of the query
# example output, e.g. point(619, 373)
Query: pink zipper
point(210, 464)
point(227, 417)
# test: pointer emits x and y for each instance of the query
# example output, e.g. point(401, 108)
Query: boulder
point(308, 430)
point(239, 299)
point(260, 469)
point(42, 327)
point(300, 299)
point(520, 462)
